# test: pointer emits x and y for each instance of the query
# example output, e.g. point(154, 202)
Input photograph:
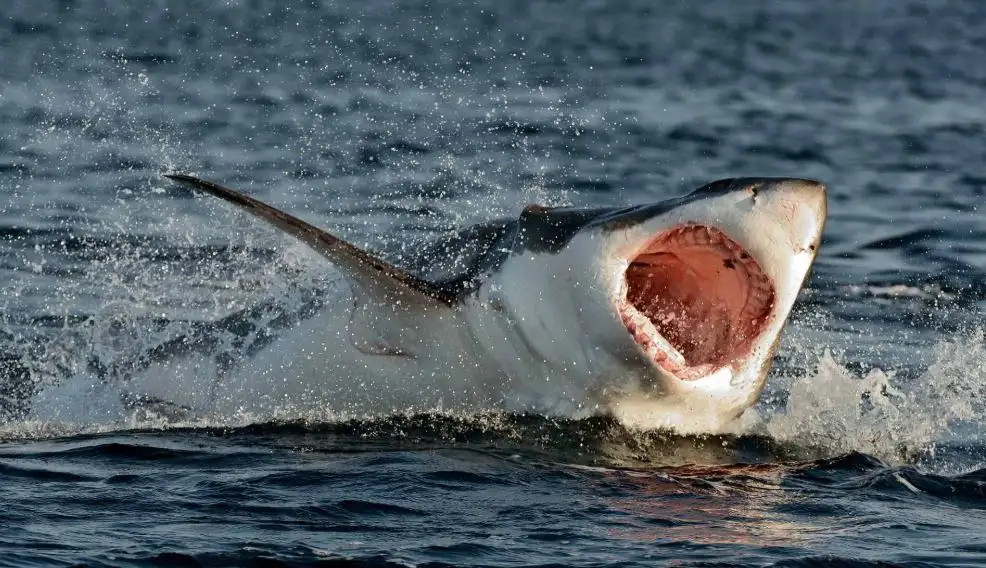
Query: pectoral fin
point(374, 275)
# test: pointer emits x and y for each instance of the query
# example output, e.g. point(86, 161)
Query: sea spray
point(875, 412)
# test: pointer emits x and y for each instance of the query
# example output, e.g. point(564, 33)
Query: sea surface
point(392, 123)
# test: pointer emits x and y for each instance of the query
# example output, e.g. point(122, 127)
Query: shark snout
point(793, 207)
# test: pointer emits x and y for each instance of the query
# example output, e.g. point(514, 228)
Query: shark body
point(663, 314)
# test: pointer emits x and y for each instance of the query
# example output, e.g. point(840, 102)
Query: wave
point(826, 408)
point(598, 446)
point(895, 417)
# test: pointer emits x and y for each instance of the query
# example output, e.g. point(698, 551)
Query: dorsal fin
point(363, 267)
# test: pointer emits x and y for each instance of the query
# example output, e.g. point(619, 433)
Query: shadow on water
point(598, 446)
point(591, 442)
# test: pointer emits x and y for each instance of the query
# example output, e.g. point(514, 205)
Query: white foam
point(838, 410)
point(830, 407)
point(898, 291)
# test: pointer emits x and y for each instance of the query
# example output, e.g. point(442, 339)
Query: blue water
point(392, 123)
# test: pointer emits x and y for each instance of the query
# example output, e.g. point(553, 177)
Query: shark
point(664, 314)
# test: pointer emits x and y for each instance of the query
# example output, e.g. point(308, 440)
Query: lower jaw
point(695, 372)
point(696, 416)
point(669, 359)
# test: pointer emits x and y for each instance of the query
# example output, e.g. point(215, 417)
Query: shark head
point(668, 314)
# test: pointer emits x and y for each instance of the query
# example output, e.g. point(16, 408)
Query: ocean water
point(392, 123)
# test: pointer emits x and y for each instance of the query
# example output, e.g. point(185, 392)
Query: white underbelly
point(316, 367)
point(316, 370)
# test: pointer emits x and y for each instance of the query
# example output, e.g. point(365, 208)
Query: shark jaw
point(702, 288)
point(664, 314)
point(695, 300)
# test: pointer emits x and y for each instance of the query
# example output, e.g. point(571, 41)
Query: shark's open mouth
point(695, 300)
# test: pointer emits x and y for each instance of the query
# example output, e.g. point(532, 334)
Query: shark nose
point(800, 204)
point(806, 192)
point(807, 188)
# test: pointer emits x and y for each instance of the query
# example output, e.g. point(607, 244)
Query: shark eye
point(695, 300)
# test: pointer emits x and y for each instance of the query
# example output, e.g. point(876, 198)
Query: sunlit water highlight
point(395, 123)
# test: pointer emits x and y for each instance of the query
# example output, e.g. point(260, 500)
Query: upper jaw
point(777, 224)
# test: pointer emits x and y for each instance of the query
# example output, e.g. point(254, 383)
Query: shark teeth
point(694, 300)
point(647, 336)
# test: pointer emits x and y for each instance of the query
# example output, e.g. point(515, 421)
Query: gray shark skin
point(663, 315)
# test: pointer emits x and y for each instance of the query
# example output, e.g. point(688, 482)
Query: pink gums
point(703, 294)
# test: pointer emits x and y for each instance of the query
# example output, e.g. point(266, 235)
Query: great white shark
point(662, 314)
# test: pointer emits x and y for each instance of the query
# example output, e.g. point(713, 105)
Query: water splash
point(827, 410)
point(879, 413)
